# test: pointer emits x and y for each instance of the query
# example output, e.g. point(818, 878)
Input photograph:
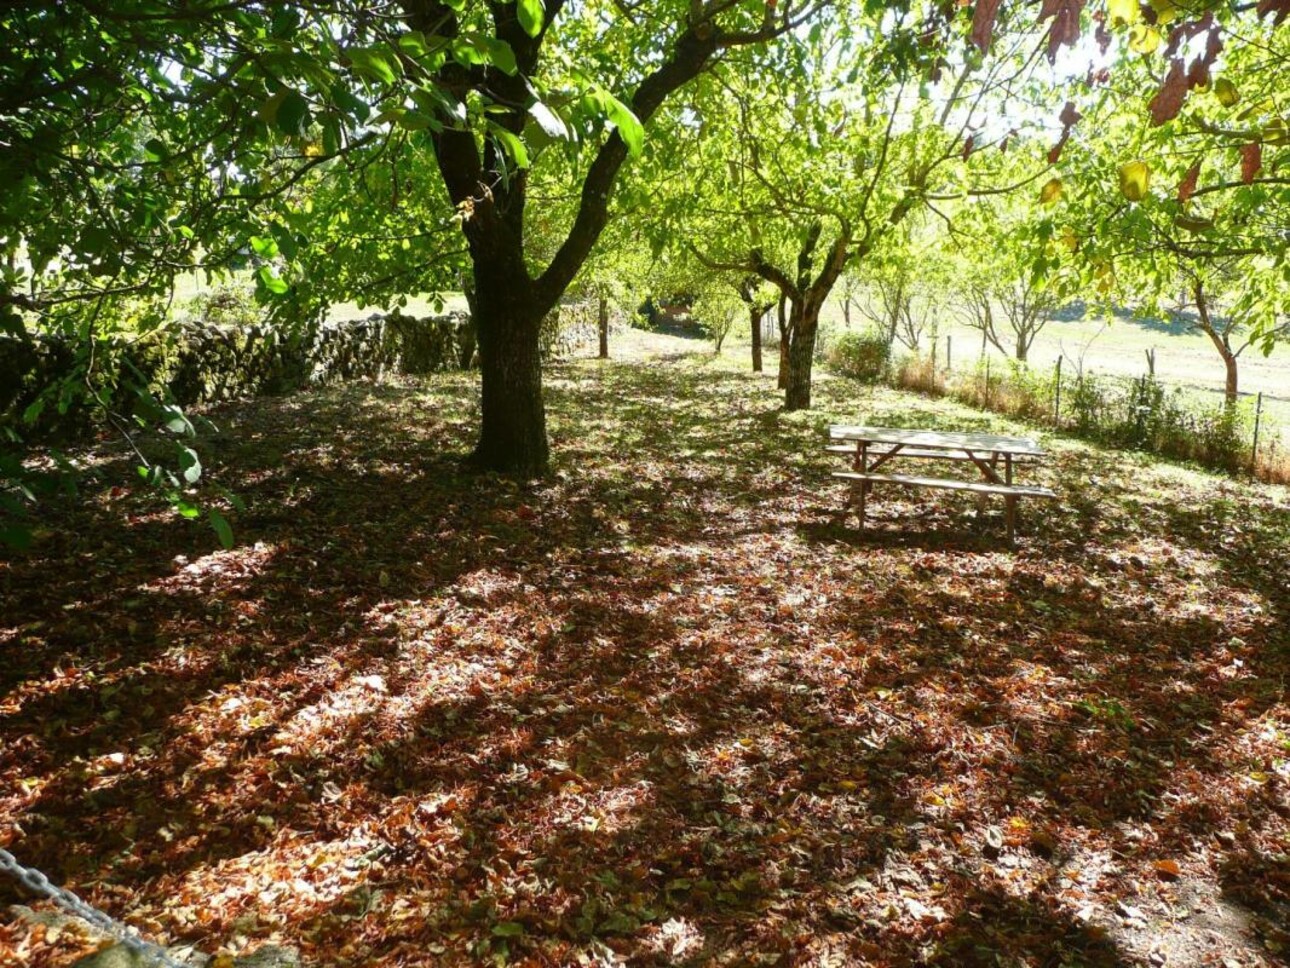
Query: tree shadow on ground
point(659, 703)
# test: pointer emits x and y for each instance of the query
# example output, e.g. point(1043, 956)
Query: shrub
point(863, 356)
point(226, 305)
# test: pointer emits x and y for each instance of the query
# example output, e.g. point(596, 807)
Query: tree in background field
point(811, 168)
point(1010, 296)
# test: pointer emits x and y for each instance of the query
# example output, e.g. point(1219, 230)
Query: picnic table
point(871, 448)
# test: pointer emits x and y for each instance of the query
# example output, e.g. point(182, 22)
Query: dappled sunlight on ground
point(665, 705)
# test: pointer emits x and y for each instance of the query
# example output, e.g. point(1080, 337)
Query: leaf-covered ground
point(665, 707)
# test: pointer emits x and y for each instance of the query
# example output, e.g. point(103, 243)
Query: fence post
point(1254, 451)
point(1057, 394)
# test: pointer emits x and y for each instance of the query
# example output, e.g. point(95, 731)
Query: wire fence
point(1142, 412)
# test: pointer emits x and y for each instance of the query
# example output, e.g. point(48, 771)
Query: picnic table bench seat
point(977, 487)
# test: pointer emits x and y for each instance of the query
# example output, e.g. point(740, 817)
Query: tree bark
point(1231, 389)
point(804, 323)
point(512, 435)
point(602, 323)
point(782, 383)
point(755, 314)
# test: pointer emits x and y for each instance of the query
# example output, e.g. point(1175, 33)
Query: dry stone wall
point(198, 363)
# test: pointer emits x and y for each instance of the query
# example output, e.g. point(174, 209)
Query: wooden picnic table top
point(976, 442)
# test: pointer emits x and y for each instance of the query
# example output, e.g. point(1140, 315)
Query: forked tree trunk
point(804, 323)
point(602, 323)
point(1231, 390)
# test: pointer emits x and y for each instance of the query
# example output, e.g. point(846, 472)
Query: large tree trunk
point(602, 324)
point(804, 323)
point(512, 436)
point(1231, 391)
point(755, 314)
point(1023, 349)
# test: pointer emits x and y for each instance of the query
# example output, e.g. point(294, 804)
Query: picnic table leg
point(862, 460)
point(1011, 500)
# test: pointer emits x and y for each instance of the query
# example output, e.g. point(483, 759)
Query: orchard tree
point(846, 132)
point(145, 141)
point(1010, 297)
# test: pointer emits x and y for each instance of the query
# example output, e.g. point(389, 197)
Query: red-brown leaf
point(1188, 185)
point(1069, 117)
point(1169, 99)
point(1065, 28)
point(983, 17)
point(1280, 9)
point(1251, 161)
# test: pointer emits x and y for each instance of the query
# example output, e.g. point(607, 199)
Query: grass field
point(1119, 348)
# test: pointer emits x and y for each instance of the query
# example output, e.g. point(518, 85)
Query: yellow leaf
point(1135, 179)
point(1144, 39)
point(1123, 12)
point(1051, 191)
point(1166, 11)
point(1070, 240)
point(1226, 92)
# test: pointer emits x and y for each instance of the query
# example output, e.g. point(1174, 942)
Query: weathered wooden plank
point(977, 487)
point(904, 452)
point(938, 440)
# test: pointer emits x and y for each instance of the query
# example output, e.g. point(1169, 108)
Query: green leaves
point(223, 530)
point(512, 146)
point(293, 116)
point(602, 103)
point(531, 15)
point(375, 63)
point(271, 281)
